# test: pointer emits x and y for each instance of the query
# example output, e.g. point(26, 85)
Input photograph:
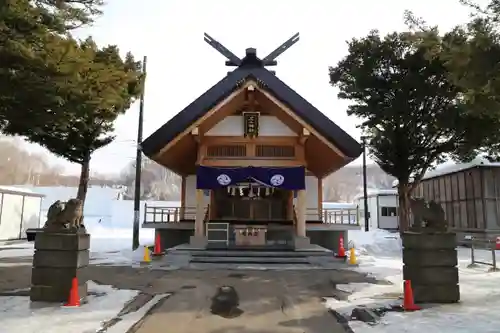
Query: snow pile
point(376, 242)
point(18, 315)
point(110, 244)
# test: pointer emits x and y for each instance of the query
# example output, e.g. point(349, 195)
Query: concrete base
point(56, 294)
point(199, 242)
point(301, 242)
point(329, 239)
point(173, 237)
point(59, 257)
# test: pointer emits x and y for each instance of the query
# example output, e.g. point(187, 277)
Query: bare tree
point(346, 183)
point(157, 182)
point(20, 167)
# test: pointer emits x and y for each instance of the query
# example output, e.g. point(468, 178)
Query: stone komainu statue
point(67, 215)
point(427, 216)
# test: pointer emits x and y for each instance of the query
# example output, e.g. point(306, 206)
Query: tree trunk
point(404, 207)
point(84, 181)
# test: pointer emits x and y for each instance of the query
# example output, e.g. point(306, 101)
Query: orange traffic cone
point(341, 253)
point(408, 301)
point(157, 249)
point(74, 297)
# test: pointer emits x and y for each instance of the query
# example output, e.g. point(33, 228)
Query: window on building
point(389, 211)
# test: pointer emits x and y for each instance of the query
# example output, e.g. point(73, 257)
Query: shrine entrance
point(251, 202)
point(250, 207)
point(249, 210)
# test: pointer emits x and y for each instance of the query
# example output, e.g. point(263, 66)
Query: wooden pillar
point(213, 207)
point(289, 206)
point(301, 213)
point(183, 198)
point(320, 198)
point(200, 215)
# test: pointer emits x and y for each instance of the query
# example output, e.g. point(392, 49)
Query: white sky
point(181, 66)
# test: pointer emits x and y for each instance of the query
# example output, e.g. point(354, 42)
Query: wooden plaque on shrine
point(251, 124)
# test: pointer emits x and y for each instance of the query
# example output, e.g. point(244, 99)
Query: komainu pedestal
point(430, 263)
point(430, 255)
point(59, 257)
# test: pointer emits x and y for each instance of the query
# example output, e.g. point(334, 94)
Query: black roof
point(269, 82)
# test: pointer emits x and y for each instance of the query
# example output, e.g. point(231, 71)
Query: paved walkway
point(272, 302)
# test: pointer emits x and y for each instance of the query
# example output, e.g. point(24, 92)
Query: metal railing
point(334, 215)
point(214, 231)
point(478, 243)
point(158, 214)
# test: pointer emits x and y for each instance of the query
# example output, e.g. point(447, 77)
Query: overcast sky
point(181, 66)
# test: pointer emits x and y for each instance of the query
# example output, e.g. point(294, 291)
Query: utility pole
point(365, 189)
point(138, 164)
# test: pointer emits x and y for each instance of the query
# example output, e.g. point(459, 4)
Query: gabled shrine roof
point(268, 82)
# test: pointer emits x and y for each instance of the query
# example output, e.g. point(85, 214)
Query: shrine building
point(252, 154)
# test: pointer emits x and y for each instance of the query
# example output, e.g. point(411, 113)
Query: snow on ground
point(114, 245)
point(379, 253)
point(376, 242)
point(23, 249)
point(110, 244)
point(20, 315)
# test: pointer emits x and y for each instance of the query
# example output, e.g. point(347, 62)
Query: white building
point(19, 210)
point(382, 208)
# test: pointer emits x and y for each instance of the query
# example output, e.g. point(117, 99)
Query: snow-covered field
point(379, 253)
point(110, 243)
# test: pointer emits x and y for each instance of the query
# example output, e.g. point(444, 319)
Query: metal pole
point(138, 164)
point(472, 257)
point(365, 189)
point(494, 257)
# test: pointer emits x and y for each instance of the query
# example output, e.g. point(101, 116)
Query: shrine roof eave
point(152, 145)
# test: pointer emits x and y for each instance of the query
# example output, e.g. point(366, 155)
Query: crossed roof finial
point(251, 53)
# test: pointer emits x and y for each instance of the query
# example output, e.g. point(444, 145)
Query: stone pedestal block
point(63, 241)
point(301, 243)
point(56, 293)
point(430, 263)
point(199, 242)
point(59, 257)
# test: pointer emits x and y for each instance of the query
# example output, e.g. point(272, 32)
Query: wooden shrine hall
point(252, 154)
